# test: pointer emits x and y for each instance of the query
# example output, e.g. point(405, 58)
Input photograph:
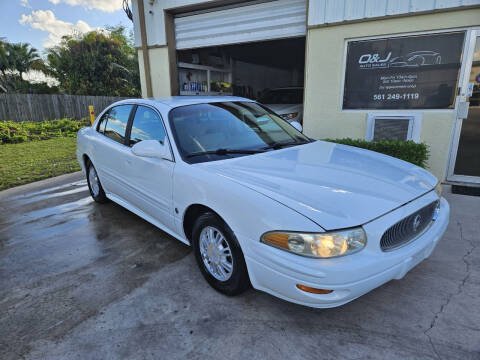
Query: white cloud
point(45, 20)
point(25, 3)
point(103, 5)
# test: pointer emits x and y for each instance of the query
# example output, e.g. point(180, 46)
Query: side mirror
point(297, 125)
point(152, 149)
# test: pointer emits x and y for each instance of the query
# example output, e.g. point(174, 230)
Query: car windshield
point(282, 96)
point(214, 131)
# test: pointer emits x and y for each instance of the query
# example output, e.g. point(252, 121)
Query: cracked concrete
point(459, 291)
point(80, 280)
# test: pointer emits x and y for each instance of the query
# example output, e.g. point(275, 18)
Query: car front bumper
point(278, 272)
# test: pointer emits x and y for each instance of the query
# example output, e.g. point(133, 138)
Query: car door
point(110, 149)
point(149, 179)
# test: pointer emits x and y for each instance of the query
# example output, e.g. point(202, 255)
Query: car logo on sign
point(416, 222)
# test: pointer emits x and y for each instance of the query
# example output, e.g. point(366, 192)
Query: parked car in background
point(286, 102)
point(311, 222)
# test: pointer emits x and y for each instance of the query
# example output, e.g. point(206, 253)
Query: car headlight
point(289, 116)
point(438, 189)
point(320, 245)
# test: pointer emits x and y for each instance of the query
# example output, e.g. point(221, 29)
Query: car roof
point(176, 101)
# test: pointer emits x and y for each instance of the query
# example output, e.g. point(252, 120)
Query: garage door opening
point(271, 72)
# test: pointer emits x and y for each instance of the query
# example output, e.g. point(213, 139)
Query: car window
point(147, 125)
point(228, 125)
point(283, 96)
point(117, 120)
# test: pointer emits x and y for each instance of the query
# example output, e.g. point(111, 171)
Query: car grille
point(409, 228)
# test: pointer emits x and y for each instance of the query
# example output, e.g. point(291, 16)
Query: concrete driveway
point(80, 280)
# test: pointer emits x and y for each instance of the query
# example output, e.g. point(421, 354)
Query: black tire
point(239, 280)
point(100, 197)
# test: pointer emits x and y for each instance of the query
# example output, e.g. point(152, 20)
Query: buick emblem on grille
point(416, 222)
point(409, 228)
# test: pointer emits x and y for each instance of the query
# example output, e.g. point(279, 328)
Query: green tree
point(15, 60)
point(24, 58)
point(4, 58)
point(96, 63)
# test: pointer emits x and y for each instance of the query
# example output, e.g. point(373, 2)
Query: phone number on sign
point(406, 96)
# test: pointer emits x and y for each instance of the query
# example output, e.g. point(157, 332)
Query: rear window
point(283, 96)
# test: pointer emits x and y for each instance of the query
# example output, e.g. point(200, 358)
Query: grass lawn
point(36, 160)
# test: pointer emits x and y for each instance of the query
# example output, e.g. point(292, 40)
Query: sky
point(42, 23)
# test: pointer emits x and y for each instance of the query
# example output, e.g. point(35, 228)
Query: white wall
point(160, 72)
point(332, 11)
point(320, 12)
point(155, 19)
point(323, 116)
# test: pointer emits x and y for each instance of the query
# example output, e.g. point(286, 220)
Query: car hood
point(285, 108)
point(334, 185)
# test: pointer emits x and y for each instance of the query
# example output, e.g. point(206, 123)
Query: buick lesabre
point(261, 204)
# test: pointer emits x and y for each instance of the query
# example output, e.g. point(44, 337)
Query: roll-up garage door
point(256, 22)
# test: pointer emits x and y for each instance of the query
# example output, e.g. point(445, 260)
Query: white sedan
point(311, 222)
point(286, 102)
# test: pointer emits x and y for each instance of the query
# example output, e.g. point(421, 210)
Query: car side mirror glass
point(152, 149)
point(297, 125)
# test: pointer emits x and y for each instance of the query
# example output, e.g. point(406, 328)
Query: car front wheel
point(94, 185)
point(219, 256)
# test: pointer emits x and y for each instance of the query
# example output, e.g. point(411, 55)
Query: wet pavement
point(79, 280)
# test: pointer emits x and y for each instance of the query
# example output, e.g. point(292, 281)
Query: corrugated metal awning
point(263, 21)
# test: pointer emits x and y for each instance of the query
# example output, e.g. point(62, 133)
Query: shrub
point(406, 150)
point(16, 132)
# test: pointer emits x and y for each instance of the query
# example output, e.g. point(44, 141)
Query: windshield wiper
point(279, 145)
point(224, 152)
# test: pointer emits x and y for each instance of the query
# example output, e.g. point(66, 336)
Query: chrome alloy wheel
point(94, 182)
point(216, 253)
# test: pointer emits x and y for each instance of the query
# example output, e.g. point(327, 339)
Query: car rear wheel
point(219, 256)
point(94, 185)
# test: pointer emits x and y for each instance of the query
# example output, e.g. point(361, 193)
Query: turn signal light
point(313, 290)
point(289, 116)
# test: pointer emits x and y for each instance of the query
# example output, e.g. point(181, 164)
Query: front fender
point(248, 213)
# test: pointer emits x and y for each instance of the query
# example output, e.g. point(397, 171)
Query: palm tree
point(4, 58)
point(24, 58)
point(5, 64)
point(15, 60)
